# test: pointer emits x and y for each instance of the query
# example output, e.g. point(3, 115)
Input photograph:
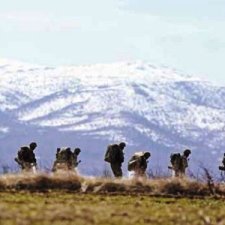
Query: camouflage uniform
point(26, 157)
point(75, 161)
point(117, 169)
point(184, 164)
point(138, 163)
point(222, 168)
point(223, 161)
point(117, 158)
point(62, 156)
point(66, 159)
point(180, 164)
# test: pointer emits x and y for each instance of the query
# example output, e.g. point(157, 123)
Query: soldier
point(222, 168)
point(179, 163)
point(26, 157)
point(115, 156)
point(75, 157)
point(138, 164)
point(66, 159)
point(223, 161)
point(63, 158)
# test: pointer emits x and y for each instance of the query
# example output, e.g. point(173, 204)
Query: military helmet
point(122, 145)
point(147, 155)
point(33, 145)
point(187, 152)
point(77, 151)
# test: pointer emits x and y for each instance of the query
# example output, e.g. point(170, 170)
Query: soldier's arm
point(33, 158)
point(185, 162)
point(121, 156)
point(18, 161)
point(20, 155)
point(143, 163)
point(223, 161)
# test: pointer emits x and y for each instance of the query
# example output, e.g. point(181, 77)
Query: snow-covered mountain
point(149, 107)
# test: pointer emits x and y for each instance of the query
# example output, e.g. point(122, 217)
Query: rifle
point(78, 163)
point(19, 162)
point(23, 166)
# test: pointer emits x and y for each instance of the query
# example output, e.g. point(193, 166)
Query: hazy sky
point(185, 34)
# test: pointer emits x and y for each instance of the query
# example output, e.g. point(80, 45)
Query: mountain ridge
point(141, 104)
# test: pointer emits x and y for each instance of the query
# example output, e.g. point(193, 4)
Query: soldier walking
point(66, 160)
point(75, 161)
point(179, 163)
point(26, 157)
point(222, 168)
point(115, 156)
point(138, 164)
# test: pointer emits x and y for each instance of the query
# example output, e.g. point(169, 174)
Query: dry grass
point(40, 182)
point(163, 187)
point(71, 182)
point(68, 199)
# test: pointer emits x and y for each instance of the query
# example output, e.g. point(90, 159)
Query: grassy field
point(60, 207)
point(28, 199)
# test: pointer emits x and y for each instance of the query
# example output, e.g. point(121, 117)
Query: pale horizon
point(187, 36)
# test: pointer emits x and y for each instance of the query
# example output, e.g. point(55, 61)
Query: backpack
point(137, 159)
point(24, 153)
point(64, 154)
point(132, 163)
point(175, 159)
point(111, 153)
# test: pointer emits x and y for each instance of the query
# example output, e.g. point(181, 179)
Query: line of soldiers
point(139, 161)
point(67, 160)
point(115, 156)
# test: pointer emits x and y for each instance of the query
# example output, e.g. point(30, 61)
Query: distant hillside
point(151, 108)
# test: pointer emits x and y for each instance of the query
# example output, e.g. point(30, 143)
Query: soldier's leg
point(139, 173)
point(143, 174)
point(182, 172)
point(176, 173)
point(116, 169)
point(26, 167)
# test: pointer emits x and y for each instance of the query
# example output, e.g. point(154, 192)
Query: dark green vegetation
point(60, 207)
